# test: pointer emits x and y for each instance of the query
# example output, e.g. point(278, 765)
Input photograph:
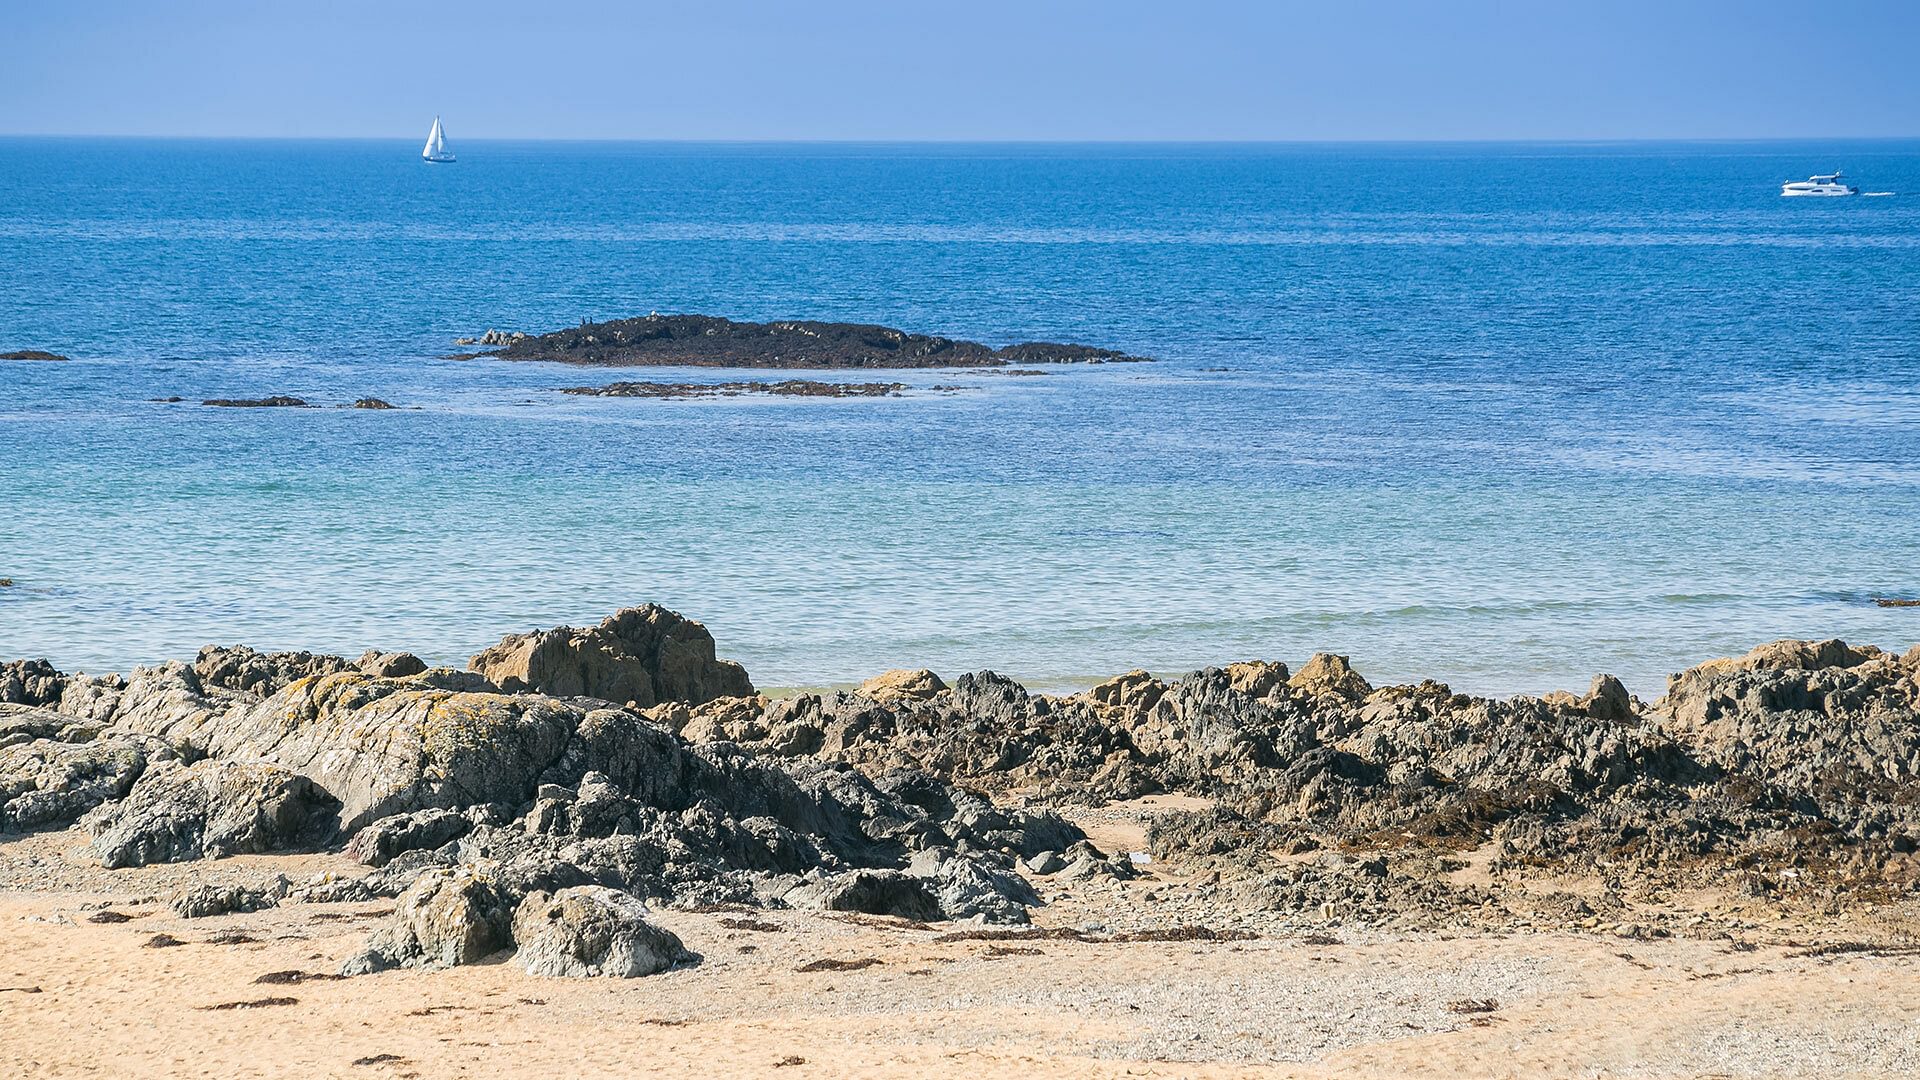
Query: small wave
point(1701, 598)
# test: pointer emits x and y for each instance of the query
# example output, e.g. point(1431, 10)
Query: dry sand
point(81, 998)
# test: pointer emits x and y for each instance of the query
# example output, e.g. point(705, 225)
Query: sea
point(1502, 415)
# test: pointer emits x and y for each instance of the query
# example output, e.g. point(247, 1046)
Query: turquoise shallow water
point(1502, 415)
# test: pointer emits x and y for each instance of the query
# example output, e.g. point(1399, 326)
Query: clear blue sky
point(968, 69)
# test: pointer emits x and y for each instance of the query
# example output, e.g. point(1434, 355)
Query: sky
point(974, 70)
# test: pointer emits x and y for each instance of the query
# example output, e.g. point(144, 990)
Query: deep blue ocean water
point(1504, 415)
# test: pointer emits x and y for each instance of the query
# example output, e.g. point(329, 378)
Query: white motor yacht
point(1828, 184)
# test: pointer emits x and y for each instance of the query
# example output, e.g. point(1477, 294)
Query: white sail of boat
point(436, 148)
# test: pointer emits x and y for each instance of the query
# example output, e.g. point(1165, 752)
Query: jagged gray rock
point(238, 667)
point(1824, 719)
point(964, 888)
point(30, 682)
point(25, 723)
point(392, 665)
point(1798, 751)
point(45, 782)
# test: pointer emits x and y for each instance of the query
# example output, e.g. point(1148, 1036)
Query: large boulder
point(447, 917)
point(209, 810)
point(1330, 674)
point(383, 841)
point(591, 930)
point(870, 892)
point(1704, 689)
point(901, 684)
point(644, 655)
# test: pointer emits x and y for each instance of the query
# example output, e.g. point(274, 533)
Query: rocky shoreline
point(535, 802)
point(709, 341)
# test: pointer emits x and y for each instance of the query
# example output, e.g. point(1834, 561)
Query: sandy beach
point(837, 994)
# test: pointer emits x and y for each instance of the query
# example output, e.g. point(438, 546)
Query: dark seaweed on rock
point(707, 341)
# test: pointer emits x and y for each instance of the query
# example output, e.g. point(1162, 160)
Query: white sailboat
point(436, 148)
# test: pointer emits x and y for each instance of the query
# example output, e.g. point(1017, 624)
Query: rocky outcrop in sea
point(540, 799)
point(707, 341)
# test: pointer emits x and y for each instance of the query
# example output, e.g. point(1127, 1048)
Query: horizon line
point(980, 141)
